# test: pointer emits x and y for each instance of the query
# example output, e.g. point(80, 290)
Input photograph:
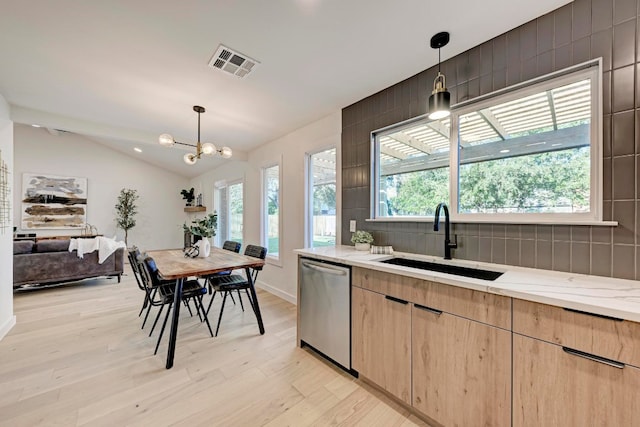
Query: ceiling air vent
point(232, 62)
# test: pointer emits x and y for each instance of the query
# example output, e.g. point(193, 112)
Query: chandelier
point(207, 148)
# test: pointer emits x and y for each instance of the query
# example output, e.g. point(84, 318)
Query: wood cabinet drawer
point(556, 387)
point(604, 336)
point(476, 305)
point(393, 285)
point(480, 306)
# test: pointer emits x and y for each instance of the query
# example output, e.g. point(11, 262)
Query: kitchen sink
point(475, 273)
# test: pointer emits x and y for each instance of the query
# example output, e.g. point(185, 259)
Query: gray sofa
point(49, 261)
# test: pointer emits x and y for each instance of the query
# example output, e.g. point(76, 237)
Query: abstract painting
point(50, 201)
point(5, 201)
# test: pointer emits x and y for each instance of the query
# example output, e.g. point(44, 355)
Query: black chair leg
point(155, 322)
point(221, 310)
point(166, 317)
point(144, 304)
point(232, 299)
point(186, 302)
point(240, 298)
point(198, 309)
point(206, 319)
point(144, 322)
point(213, 295)
point(149, 305)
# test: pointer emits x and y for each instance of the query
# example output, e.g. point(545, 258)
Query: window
point(412, 172)
point(271, 210)
point(533, 153)
point(230, 216)
point(321, 200)
point(529, 153)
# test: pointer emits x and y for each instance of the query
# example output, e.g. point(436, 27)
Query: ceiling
point(123, 72)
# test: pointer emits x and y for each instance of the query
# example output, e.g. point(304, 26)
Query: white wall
point(281, 278)
point(160, 208)
point(7, 319)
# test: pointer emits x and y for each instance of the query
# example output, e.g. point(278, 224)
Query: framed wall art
point(51, 201)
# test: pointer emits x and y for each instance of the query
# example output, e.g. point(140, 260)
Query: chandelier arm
point(184, 143)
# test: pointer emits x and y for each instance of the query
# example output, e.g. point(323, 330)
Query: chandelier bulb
point(166, 140)
point(208, 149)
point(226, 153)
point(190, 159)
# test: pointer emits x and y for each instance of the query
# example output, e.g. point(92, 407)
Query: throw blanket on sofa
point(103, 245)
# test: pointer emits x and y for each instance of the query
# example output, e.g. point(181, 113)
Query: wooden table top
point(172, 264)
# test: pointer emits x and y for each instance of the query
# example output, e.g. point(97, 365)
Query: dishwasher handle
point(323, 269)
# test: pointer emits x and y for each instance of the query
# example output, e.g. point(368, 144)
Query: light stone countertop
point(618, 298)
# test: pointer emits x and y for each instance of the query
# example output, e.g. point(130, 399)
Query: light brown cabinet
point(381, 341)
point(465, 357)
point(461, 369)
point(558, 386)
point(605, 336)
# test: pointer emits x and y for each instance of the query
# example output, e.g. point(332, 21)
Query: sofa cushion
point(52, 246)
point(22, 247)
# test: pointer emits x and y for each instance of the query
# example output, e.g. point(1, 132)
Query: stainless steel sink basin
point(475, 273)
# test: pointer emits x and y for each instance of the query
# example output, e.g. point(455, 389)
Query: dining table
point(172, 264)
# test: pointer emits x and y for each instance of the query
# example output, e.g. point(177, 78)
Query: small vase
point(204, 247)
point(363, 246)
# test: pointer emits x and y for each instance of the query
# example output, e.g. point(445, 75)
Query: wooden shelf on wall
point(195, 209)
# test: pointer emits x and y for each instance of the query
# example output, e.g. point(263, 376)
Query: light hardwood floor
point(77, 356)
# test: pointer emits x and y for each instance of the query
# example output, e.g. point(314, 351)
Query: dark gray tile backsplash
point(579, 31)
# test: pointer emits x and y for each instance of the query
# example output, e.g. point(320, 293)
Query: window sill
point(494, 221)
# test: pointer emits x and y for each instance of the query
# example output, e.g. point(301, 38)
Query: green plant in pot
point(202, 229)
point(126, 211)
point(188, 196)
point(362, 239)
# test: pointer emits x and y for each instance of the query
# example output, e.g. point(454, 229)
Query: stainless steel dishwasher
point(325, 309)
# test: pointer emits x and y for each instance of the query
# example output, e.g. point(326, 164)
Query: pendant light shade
point(440, 100)
point(206, 148)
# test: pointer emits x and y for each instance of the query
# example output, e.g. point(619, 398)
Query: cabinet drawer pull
point(594, 358)
point(401, 301)
point(429, 309)
point(602, 316)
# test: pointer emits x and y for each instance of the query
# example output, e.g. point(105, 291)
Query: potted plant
point(188, 196)
point(203, 228)
point(126, 211)
point(362, 239)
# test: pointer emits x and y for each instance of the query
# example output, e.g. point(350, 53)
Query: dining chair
point(232, 246)
point(147, 285)
point(132, 255)
point(191, 290)
point(236, 282)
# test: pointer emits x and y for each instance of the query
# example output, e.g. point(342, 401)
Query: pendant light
point(207, 148)
point(440, 99)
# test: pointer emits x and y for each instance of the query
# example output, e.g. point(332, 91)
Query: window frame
point(264, 215)
point(375, 170)
point(224, 186)
point(308, 206)
point(592, 69)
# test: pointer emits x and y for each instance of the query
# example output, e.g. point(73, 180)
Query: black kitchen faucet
point(447, 238)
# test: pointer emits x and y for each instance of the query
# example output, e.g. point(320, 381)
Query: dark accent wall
point(575, 33)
